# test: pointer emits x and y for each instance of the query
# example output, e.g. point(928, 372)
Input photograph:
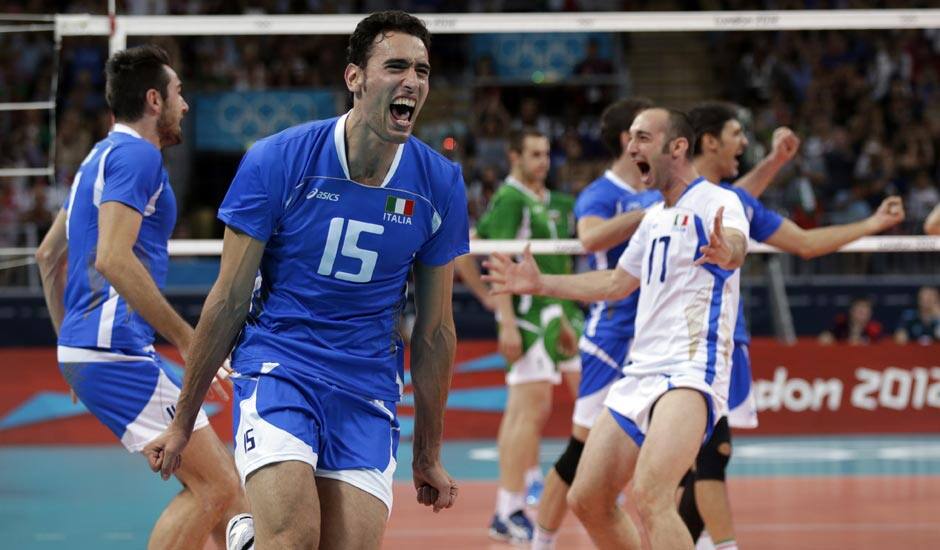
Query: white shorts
point(632, 399)
point(536, 366)
point(588, 408)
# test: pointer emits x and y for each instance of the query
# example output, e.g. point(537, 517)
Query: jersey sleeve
point(631, 260)
point(764, 221)
point(451, 237)
point(503, 217)
point(592, 202)
point(253, 203)
point(132, 175)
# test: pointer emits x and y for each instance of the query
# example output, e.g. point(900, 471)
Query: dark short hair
point(679, 126)
point(130, 74)
point(710, 118)
point(617, 119)
point(517, 137)
point(363, 38)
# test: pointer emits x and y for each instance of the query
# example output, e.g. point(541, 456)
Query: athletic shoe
point(240, 533)
point(533, 493)
point(517, 529)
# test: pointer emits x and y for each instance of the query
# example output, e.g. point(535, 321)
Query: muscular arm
point(597, 233)
point(824, 240)
point(784, 147)
point(223, 316)
point(932, 223)
point(433, 343)
point(118, 227)
point(52, 259)
point(593, 286)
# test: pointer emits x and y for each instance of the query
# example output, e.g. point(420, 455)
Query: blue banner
point(538, 56)
point(232, 121)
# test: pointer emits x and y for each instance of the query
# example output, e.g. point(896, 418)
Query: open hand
point(717, 251)
point(508, 277)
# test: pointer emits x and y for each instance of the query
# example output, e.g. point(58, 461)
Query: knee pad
point(688, 508)
point(567, 463)
point(712, 460)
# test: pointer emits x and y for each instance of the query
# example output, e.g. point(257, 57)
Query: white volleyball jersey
point(686, 314)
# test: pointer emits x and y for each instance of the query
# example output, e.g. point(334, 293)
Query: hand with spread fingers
point(717, 251)
point(508, 277)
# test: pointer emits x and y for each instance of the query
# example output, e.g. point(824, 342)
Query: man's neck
point(535, 185)
point(625, 169)
point(368, 157)
point(145, 129)
point(707, 168)
point(679, 181)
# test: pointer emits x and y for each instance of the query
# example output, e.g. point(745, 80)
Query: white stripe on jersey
point(152, 203)
point(106, 323)
point(68, 354)
point(99, 181)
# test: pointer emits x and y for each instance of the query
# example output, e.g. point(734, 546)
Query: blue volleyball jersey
point(338, 253)
point(127, 169)
point(764, 223)
point(606, 197)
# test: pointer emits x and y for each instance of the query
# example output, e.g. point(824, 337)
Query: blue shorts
point(602, 362)
point(283, 415)
point(134, 394)
point(742, 403)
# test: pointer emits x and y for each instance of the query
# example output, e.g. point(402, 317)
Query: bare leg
point(606, 466)
point(713, 505)
point(211, 495)
point(674, 438)
point(554, 501)
point(285, 506)
point(527, 410)
point(352, 518)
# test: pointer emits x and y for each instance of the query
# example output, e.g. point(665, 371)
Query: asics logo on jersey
point(323, 195)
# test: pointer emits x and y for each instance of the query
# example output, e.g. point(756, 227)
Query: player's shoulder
point(299, 135)
point(705, 192)
point(746, 199)
point(135, 149)
point(435, 165)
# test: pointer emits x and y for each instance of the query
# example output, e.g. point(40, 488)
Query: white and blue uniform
point(742, 404)
point(320, 360)
point(105, 348)
point(685, 314)
point(609, 327)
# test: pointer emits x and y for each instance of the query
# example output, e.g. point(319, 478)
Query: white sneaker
point(240, 533)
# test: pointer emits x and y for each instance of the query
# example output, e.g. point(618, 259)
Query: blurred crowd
point(866, 104)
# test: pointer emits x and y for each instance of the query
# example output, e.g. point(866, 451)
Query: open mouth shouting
point(644, 168)
point(402, 110)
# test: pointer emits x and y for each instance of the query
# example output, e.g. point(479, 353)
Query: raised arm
point(597, 233)
point(784, 148)
point(508, 277)
point(810, 243)
point(118, 227)
point(223, 316)
point(932, 223)
point(433, 344)
point(52, 259)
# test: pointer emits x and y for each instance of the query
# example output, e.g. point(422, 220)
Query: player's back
point(686, 313)
point(607, 197)
point(338, 253)
point(127, 169)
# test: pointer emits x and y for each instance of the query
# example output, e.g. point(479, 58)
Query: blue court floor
point(104, 498)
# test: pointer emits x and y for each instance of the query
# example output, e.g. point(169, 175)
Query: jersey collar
point(615, 179)
point(521, 187)
point(695, 182)
point(125, 129)
point(339, 142)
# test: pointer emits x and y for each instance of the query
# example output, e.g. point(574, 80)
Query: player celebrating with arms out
point(689, 284)
point(336, 213)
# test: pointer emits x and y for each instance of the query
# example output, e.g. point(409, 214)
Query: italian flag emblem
point(394, 205)
point(681, 220)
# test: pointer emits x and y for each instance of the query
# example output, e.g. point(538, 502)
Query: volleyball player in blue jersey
point(335, 214)
point(112, 234)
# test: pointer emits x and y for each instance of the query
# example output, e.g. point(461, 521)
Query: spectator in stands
point(855, 327)
point(922, 197)
point(921, 325)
